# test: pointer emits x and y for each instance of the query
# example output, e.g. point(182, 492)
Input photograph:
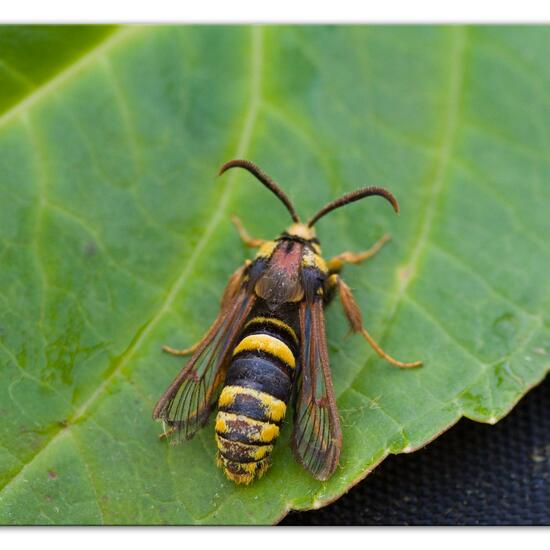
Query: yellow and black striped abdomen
point(253, 402)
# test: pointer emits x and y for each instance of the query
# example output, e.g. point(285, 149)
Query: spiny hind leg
point(243, 234)
point(231, 290)
point(335, 264)
point(182, 352)
point(353, 314)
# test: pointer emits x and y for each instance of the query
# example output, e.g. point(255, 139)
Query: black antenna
point(265, 179)
point(352, 197)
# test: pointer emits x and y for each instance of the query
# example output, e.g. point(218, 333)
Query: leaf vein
point(242, 147)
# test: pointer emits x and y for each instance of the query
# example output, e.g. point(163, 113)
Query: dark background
point(474, 474)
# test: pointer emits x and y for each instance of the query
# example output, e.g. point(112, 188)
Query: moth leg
point(335, 264)
point(167, 432)
point(181, 352)
point(233, 285)
point(353, 314)
point(231, 289)
point(243, 234)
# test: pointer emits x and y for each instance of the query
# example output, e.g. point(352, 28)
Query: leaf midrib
point(241, 149)
point(420, 243)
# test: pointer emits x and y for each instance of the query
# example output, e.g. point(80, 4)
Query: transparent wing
point(316, 439)
point(186, 404)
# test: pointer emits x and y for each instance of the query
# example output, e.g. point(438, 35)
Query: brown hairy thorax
point(281, 282)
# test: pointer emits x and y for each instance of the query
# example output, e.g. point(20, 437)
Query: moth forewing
point(316, 438)
point(186, 405)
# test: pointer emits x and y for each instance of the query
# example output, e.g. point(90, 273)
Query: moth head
point(302, 231)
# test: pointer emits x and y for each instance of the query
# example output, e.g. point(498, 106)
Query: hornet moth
point(268, 343)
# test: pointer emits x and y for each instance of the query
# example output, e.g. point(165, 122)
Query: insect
point(267, 344)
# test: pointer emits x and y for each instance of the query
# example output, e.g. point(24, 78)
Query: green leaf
point(115, 239)
point(31, 56)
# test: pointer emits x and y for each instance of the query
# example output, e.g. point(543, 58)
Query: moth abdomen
point(253, 402)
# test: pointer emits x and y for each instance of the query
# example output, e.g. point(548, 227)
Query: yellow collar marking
point(310, 259)
point(266, 249)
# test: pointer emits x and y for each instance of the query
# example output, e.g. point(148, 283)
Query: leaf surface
point(115, 239)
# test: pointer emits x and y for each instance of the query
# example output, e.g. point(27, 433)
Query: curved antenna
point(265, 179)
point(352, 197)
